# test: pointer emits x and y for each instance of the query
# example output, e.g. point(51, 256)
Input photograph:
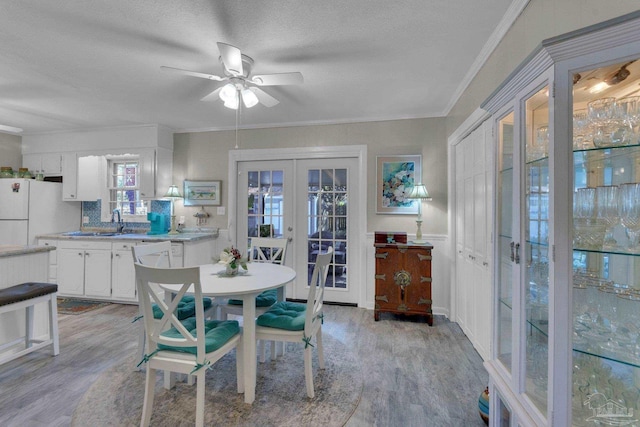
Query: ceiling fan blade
point(264, 98)
point(194, 73)
point(278, 79)
point(231, 58)
point(213, 95)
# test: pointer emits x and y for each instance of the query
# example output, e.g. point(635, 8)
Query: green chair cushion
point(217, 333)
point(284, 315)
point(265, 299)
point(186, 307)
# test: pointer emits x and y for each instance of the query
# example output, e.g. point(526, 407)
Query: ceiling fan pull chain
point(237, 120)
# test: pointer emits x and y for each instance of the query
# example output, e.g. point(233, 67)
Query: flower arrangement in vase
point(233, 259)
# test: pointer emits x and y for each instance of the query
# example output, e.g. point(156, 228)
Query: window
point(123, 178)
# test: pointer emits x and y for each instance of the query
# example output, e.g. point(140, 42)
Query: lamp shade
point(419, 191)
point(228, 92)
point(249, 98)
point(173, 193)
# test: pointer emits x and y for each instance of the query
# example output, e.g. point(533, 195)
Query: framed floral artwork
point(396, 176)
point(198, 193)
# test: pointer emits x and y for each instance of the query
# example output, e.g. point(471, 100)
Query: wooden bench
point(27, 295)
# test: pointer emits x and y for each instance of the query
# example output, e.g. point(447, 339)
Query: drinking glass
point(628, 112)
point(629, 209)
point(604, 117)
point(582, 132)
point(607, 211)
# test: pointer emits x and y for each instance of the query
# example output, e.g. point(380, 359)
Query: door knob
point(290, 228)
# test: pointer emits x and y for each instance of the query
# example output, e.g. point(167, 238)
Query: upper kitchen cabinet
point(86, 155)
point(566, 328)
point(50, 164)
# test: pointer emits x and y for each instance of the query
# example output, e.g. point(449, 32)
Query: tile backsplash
point(92, 210)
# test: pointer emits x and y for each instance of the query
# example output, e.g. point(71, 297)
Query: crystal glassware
point(603, 115)
point(628, 112)
point(607, 211)
point(629, 209)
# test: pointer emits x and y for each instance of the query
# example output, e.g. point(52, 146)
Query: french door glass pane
point(265, 203)
point(505, 223)
point(535, 251)
point(327, 221)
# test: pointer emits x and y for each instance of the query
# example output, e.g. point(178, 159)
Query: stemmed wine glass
point(603, 115)
point(607, 211)
point(629, 208)
point(628, 112)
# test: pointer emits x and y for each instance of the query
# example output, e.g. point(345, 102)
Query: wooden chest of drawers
point(403, 279)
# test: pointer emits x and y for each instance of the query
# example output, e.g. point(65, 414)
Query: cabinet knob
point(117, 255)
point(80, 253)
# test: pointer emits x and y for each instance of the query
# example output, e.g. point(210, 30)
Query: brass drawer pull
point(381, 277)
point(425, 279)
point(382, 255)
point(382, 298)
point(424, 257)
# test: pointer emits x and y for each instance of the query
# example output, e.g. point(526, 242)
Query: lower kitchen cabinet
point(84, 268)
point(103, 269)
point(123, 274)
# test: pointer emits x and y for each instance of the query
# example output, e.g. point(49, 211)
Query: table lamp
point(420, 193)
point(173, 194)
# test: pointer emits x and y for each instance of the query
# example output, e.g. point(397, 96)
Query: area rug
point(78, 306)
point(116, 398)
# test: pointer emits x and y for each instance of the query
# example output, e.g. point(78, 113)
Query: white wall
point(10, 154)
point(204, 155)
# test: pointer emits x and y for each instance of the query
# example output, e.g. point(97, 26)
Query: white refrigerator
point(29, 208)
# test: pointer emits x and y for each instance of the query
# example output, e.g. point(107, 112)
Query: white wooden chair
point(263, 249)
point(160, 255)
point(177, 349)
point(280, 324)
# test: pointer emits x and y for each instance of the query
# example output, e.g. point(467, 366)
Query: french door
point(312, 203)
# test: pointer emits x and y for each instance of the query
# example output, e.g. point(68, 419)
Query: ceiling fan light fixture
point(249, 98)
point(233, 102)
point(228, 93)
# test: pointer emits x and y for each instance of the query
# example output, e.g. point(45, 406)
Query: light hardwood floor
point(414, 375)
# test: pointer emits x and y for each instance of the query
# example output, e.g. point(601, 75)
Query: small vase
point(231, 270)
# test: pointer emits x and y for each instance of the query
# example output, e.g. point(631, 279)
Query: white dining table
point(247, 285)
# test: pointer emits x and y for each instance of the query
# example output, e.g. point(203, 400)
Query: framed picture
point(396, 176)
point(198, 193)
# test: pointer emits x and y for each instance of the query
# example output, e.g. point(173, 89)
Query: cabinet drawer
point(83, 244)
point(123, 246)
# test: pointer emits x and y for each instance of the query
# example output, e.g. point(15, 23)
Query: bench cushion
point(265, 299)
point(186, 307)
point(217, 333)
point(284, 315)
point(26, 291)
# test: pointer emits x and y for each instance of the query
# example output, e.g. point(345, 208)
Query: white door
point(311, 203)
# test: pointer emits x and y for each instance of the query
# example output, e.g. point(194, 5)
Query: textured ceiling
point(79, 64)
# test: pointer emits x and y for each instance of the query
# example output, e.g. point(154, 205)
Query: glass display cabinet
point(566, 336)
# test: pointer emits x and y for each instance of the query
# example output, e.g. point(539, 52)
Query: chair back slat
point(268, 249)
point(148, 280)
point(153, 254)
point(313, 319)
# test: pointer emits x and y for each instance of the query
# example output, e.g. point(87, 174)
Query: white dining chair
point(296, 322)
point(174, 345)
point(263, 249)
point(159, 255)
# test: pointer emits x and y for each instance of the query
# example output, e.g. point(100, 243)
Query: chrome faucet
point(120, 226)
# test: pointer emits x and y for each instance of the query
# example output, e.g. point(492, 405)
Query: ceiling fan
point(242, 85)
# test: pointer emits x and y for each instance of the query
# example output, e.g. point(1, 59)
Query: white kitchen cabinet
point(84, 268)
point(567, 322)
point(123, 274)
point(69, 177)
point(91, 177)
point(49, 163)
